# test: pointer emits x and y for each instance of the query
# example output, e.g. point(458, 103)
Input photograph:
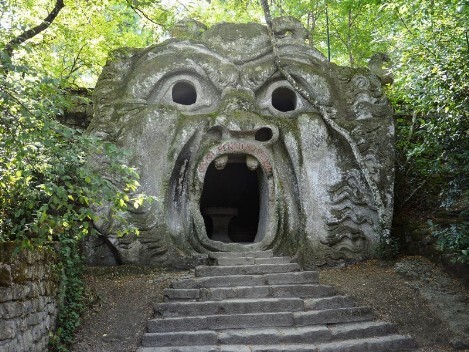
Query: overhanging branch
point(30, 33)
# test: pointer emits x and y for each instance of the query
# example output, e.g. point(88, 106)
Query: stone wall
point(28, 298)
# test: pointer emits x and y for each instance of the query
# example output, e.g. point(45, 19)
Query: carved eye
point(284, 99)
point(279, 98)
point(184, 93)
point(187, 92)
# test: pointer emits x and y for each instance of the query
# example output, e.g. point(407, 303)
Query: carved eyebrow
point(205, 63)
point(256, 73)
point(260, 72)
point(223, 72)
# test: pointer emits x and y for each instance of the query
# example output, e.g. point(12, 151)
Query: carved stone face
point(236, 158)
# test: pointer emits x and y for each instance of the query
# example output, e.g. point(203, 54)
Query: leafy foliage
point(48, 187)
point(431, 97)
point(70, 295)
point(454, 238)
point(75, 47)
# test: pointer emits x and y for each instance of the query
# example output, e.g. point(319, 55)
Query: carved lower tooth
point(220, 162)
point(251, 162)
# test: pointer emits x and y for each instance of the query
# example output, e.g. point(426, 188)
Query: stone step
point(222, 322)
point(204, 271)
point(361, 330)
point(185, 338)
point(252, 298)
point(197, 349)
point(254, 254)
point(319, 333)
point(329, 303)
point(253, 320)
point(177, 295)
point(272, 291)
point(240, 336)
point(333, 316)
point(251, 261)
point(301, 335)
point(234, 306)
point(301, 277)
point(390, 343)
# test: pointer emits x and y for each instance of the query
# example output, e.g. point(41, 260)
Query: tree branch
point(30, 33)
point(467, 39)
point(328, 34)
point(337, 34)
point(75, 66)
point(413, 193)
point(140, 13)
point(182, 4)
point(411, 32)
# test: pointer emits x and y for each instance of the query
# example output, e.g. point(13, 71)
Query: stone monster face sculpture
point(236, 158)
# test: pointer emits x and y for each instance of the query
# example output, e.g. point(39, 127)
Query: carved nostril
point(264, 134)
point(216, 133)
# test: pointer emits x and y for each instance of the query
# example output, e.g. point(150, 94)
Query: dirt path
point(400, 293)
point(413, 293)
point(120, 301)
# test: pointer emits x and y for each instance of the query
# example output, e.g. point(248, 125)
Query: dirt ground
point(413, 293)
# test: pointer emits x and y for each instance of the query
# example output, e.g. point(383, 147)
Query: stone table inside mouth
point(221, 217)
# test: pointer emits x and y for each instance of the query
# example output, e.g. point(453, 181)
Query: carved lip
point(236, 147)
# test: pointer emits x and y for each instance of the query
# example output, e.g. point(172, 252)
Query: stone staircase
point(256, 302)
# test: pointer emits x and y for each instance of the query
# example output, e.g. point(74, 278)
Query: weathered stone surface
point(382, 343)
point(235, 157)
point(197, 349)
point(181, 294)
point(28, 299)
point(303, 277)
point(332, 316)
point(329, 302)
point(233, 306)
point(219, 322)
point(274, 336)
point(180, 338)
point(361, 330)
point(202, 271)
point(292, 290)
point(245, 261)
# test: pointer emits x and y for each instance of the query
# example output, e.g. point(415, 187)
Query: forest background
point(52, 51)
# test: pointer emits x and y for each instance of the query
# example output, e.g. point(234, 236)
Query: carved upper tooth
point(251, 162)
point(220, 162)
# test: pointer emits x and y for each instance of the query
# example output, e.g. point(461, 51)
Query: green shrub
point(48, 187)
point(453, 239)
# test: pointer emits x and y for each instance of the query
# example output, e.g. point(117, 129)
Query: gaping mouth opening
point(232, 200)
